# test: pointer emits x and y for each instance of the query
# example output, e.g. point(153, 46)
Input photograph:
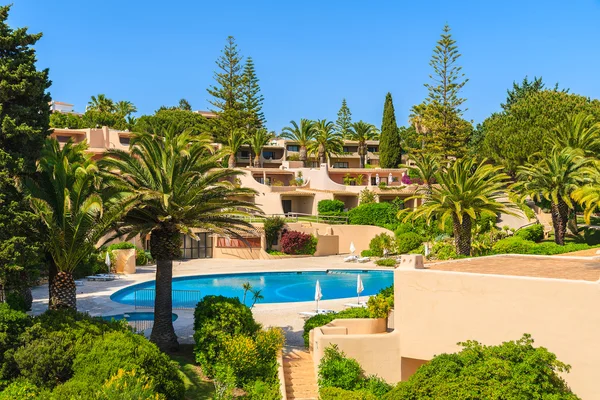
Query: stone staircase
point(299, 373)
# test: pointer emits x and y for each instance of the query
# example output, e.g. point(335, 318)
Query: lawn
point(595, 220)
point(197, 386)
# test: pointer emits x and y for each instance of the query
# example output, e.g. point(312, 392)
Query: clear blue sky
point(310, 54)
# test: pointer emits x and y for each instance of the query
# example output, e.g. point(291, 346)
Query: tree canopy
point(390, 151)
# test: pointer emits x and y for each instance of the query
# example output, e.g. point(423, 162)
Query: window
point(191, 248)
point(124, 140)
point(340, 165)
point(314, 164)
point(269, 154)
point(372, 149)
point(244, 154)
point(63, 139)
point(346, 149)
point(293, 147)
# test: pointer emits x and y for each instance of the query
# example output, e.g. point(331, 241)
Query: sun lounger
point(350, 259)
point(362, 304)
point(308, 314)
point(78, 283)
point(363, 259)
point(102, 277)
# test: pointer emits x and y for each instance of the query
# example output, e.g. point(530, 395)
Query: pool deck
point(94, 297)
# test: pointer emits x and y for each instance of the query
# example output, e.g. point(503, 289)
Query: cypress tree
point(228, 92)
point(24, 122)
point(389, 143)
point(344, 120)
point(252, 99)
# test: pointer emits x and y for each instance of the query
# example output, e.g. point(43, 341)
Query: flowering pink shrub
point(406, 179)
point(294, 242)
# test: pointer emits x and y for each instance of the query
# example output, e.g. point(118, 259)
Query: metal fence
point(182, 299)
point(301, 217)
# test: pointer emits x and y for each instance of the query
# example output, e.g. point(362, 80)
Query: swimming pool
point(276, 287)
point(134, 316)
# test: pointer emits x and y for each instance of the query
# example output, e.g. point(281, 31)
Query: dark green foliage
point(377, 214)
point(20, 390)
point(260, 390)
point(272, 227)
point(517, 245)
point(520, 91)
point(12, 324)
point(535, 233)
point(128, 351)
point(24, 118)
point(252, 99)
point(512, 370)
point(333, 393)
point(344, 120)
point(172, 119)
point(324, 319)
point(386, 262)
point(215, 319)
point(390, 150)
point(591, 236)
point(486, 221)
point(327, 206)
point(336, 370)
point(366, 253)
point(376, 385)
point(406, 242)
point(380, 305)
point(121, 246)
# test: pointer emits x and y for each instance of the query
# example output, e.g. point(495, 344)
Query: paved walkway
point(94, 297)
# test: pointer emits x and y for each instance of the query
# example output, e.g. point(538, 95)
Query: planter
point(125, 261)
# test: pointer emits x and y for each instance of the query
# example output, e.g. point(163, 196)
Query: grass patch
point(277, 253)
point(197, 386)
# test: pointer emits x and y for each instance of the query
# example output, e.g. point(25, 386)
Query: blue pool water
point(276, 287)
point(134, 316)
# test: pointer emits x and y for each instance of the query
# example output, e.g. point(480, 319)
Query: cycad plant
point(579, 132)
point(302, 134)
point(361, 132)
point(425, 166)
point(258, 141)
point(101, 103)
point(235, 141)
point(555, 177)
point(177, 188)
point(124, 108)
point(326, 141)
point(465, 190)
point(66, 195)
point(589, 195)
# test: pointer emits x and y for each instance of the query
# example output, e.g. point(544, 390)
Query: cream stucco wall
point(436, 309)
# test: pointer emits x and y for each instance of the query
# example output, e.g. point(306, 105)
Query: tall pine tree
point(252, 99)
point(24, 121)
point(390, 151)
point(228, 91)
point(344, 120)
point(441, 127)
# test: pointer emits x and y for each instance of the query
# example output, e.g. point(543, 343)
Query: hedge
point(407, 242)
point(535, 233)
point(517, 245)
point(373, 214)
point(326, 206)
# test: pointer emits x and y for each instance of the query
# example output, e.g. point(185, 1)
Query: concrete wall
point(436, 309)
point(327, 245)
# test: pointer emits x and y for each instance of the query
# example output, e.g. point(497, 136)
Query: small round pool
point(275, 287)
point(134, 316)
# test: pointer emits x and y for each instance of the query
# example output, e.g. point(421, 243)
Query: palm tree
point(124, 108)
point(326, 141)
point(302, 134)
point(101, 103)
point(555, 178)
point(177, 187)
point(257, 141)
point(361, 132)
point(234, 142)
point(579, 132)
point(589, 195)
point(247, 288)
point(66, 196)
point(464, 190)
point(425, 166)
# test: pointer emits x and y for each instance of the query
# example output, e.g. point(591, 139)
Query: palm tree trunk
point(303, 155)
point(462, 235)
point(63, 292)
point(231, 162)
point(52, 271)
point(165, 246)
point(361, 153)
point(257, 161)
point(560, 217)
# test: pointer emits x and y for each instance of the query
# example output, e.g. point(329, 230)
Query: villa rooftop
point(574, 268)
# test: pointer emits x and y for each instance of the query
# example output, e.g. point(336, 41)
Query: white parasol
point(352, 248)
point(318, 294)
point(359, 288)
point(107, 261)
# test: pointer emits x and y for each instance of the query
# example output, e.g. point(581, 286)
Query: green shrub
point(513, 245)
point(121, 246)
point(141, 258)
point(20, 390)
point(128, 351)
point(444, 251)
point(381, 242)
point(366, 253)
point(128, 385)
point(337, 370)
point(215, 319)
point(76, 389)
point(323, 319)
point(269, 343)
point(511, 370)
point(224, 381)
point(403, 228)
point(386, 262)
point(408, 241)
point(12, 324)
point(591, 236)
point(325, 206)
point(486, 222)
point(240, 353)
point(367, 196)
point(372, 214)
point(332, 393)
point(380, 305)
point(376, 386)
point(272, 227)
point(260, 390)
point(534, 233)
